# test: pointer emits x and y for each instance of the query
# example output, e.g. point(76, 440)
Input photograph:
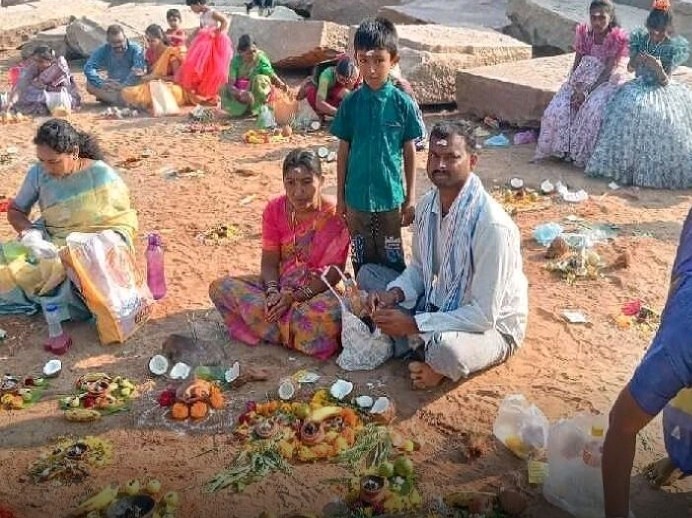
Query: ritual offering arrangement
point(18, 393)
point(266, 136)
point(134, 498)
point(192, 400)
point(69, 461)
point(13, 118)
point(97, 394)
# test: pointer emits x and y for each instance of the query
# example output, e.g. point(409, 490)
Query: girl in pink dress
point(205, 69)
point(572, 120)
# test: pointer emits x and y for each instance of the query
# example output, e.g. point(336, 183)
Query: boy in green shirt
point(376, 126)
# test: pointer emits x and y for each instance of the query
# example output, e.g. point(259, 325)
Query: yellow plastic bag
point(162, 99)
point(103, 267)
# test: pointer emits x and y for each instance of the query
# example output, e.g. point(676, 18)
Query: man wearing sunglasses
point(120, 60)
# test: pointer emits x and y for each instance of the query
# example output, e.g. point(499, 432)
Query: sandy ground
point(563, 368)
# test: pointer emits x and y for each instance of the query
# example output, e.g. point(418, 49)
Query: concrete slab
point(518, 93)
point(348, 12)
point(460, 13)
point(292, 43)
point(551, 23)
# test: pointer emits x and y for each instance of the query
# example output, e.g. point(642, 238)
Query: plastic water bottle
point(58, 342)
point(156, 277)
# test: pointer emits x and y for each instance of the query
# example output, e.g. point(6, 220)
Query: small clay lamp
point(265, 429)
point(311, 433)
point(372, 489)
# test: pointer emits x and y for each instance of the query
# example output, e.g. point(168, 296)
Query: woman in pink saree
point(289, 304)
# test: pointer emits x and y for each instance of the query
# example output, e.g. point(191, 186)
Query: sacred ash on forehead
point(442, 142)
point(370, 53)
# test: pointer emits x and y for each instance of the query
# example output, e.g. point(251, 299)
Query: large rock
point(431, 56)
point(53, 38)
point(302, 7)
point(518, 93)
point(349, 12)
point(292, 44)
point(460, 13)
point(683, 20)
point(20, 22)
point(551, 23)
point(89, 32)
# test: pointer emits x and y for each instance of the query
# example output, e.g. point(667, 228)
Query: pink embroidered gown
point(570, 134)
point(313, 327)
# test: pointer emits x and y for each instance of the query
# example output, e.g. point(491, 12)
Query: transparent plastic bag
point(59, 103)
point(103, 268)
point(162, 100)
point(265, 118)
point(363, 349)
point(521, 426)
point(574, 481)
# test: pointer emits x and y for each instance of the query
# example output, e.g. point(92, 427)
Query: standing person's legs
point(111, 97)
point(386, 229)
point(363, 248)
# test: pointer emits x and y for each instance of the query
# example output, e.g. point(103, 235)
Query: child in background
point(326, 89)
point(376, 126)
point(175, 33)
point(205, 69)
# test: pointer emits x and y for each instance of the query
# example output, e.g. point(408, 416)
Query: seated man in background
point(464, 294)
point(123, 63)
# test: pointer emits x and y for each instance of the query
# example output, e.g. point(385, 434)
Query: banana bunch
point(256, 137)
point(82, 415)
point(98, 502)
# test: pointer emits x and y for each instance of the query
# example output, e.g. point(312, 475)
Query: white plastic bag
point(574, 481)
point(59, 103)
point(521, 426)
point(103, 268)
point(162, 100)
point(362, 349)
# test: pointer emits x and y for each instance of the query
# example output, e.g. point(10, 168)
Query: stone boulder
point(518, 93)
point(551, 23)
point(88, 33)
point(431, 56)
point(292, 44)
point(683, 20)
point(302, 7)
point(349, 12)
point(461, 13)
point(19, 23)
point(53, 38)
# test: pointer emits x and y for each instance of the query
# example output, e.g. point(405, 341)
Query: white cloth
point(497, 297)
point(42, 249)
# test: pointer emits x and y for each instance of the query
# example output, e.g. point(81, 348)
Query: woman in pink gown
point(572, 120)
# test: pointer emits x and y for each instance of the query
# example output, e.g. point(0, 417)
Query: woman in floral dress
point(646, 139)
point(572, 120)
point(288, 303)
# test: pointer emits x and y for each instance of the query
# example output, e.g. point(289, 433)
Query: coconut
point(557, 248)
point(52, 368)
point(180, 371)
point(340, 389)
point(383, 410)
point(158, 365)
point(233, 373)
point(287, 390)
point(286, 131)
point(315, 126)
point(516, 183)
point(364, 401)
point(322, 152)
point(547, 187)
point(331, 157)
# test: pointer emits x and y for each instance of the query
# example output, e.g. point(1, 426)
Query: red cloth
point(334, 97)
point(205, 69)
point(14, 74)
point(176, 37)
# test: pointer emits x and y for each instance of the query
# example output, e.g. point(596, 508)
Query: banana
point(99, 501)
point(82, 415)
point(323, 413)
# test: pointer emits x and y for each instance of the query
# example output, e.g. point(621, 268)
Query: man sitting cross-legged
point(463, 301)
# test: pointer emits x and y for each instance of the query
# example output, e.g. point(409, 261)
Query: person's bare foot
point(662, 473)
point(423, 376)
